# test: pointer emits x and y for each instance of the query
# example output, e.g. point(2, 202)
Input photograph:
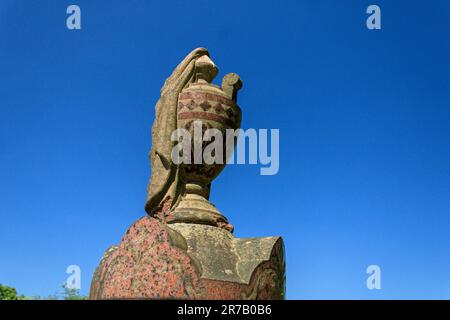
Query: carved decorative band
point(207, 116)
point(206, 96)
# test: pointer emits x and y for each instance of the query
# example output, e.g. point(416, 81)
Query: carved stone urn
point(184, 247)
point(204, 106)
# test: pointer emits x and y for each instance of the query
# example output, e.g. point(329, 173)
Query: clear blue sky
point(364, 119)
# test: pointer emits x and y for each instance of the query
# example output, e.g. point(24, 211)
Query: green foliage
point(8, 293)
point(72, 294)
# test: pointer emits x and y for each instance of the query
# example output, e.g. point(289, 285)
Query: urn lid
point(205, 70)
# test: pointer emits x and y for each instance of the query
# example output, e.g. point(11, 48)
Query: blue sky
point(364, 119)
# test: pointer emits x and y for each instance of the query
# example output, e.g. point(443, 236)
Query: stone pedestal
point(189, 261)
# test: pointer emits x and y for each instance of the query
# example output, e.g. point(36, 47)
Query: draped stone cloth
point(164, 188)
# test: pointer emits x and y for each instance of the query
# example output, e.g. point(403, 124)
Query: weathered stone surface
point(186, 261)
point(179, 193)
point(185, 248)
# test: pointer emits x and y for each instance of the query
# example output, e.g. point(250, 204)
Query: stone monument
point(184, 248)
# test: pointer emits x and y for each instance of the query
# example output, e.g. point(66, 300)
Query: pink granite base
point(152, 262)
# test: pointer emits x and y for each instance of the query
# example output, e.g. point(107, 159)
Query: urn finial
point(205, 70)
